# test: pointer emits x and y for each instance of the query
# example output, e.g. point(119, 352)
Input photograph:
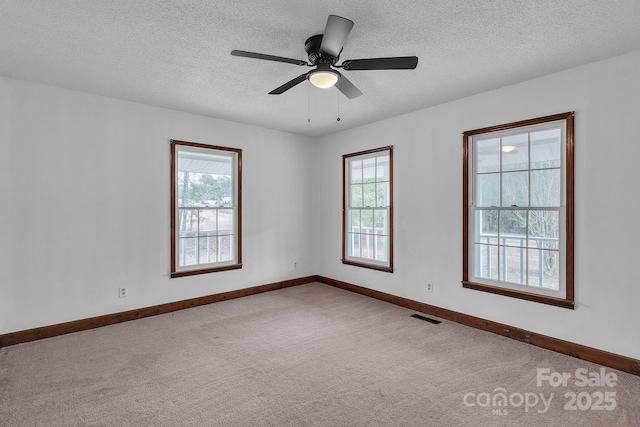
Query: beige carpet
point(310, 355)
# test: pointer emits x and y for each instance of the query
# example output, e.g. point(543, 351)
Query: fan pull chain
point(308, 103)
point(338, 92)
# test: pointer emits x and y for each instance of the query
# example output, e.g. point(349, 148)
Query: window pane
point(381, 248)
point(382, 194)
point(367, 241)
point(187, 251)
point(369, 169)
point(486, 261)
point(486, 226)
point(513, 264)
point(369, 194)
point(515, 152)
point(545, 187)
point(207, 249)
point(188, 225)
point(207, 222)
point(488, 155)
point(551, 269)
point(545, 149)
point(225, 221)
point(356, 196)
point(356, 171)
point(366, 216)
point(183, 188)
point(382, 168)
point(488, 190)
point(381, 222)
point(189, 189)
point(513, 228)
point(353, 244)
point(223, 191)
point(544, 227)
point(355, 221)
point(515, 189)
point(543, 269)
point(225, 248)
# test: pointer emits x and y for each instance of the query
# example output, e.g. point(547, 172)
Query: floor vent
point(426, 319)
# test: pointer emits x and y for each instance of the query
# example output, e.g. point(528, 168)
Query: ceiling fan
point(324, 51)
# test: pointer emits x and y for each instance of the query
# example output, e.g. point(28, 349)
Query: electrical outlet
point(295, 265)
point(122, 292)
point(429, 287)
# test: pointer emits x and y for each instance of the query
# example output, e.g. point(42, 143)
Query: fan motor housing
point(312, 47)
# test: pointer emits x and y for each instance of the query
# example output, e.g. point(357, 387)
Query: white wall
point(428, 203)
point(85, 205)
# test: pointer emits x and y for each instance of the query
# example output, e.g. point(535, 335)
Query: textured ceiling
point(175, 53)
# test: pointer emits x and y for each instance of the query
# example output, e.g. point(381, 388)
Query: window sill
point(184, 273)
point(543, 299)
point(371, 266)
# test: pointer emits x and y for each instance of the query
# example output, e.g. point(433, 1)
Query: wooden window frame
point(345, 211)
point(175, 271)
point(568, 225)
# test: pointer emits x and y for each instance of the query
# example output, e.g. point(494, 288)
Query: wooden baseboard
point(604, 358)
point(125, 316)
point(611, 360)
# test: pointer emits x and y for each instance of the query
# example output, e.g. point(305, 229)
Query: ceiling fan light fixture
point(323, 51)
point(323, 79)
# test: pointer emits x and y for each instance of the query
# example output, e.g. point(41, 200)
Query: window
point(367, 223)
point(518, 210)
point(205, 208)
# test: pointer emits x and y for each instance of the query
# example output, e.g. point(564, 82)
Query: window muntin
point(368, 209)
point(205, 211)
point(518, 210)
